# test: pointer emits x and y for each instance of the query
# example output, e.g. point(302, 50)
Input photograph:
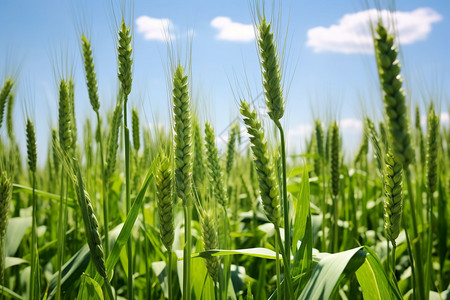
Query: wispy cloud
point(155, 29)
point(233, 31)
point(352, 33)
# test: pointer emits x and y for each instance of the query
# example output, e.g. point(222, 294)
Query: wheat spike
point(214, 170)
point(135, 128)
point(432, 150)
point(31, 146)
point(271, 71)
point(65, 126)
point(164, 189)
point(91, 77)
point(268, 185)
point(183, 135)
point(210, 242)
point(393, 197)
point(335, 159)
point(393, 96)
point(4, 92)
point(125, 60)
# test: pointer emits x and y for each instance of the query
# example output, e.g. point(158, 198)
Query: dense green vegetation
point(139, 213)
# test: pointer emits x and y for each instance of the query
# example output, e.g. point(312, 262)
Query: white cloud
point(233, 31)
point(300, 131)
point(154, 29)
point(445, 119)
point(351, 125)
point(352, 33)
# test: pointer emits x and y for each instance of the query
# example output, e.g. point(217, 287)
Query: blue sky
point(330, 67)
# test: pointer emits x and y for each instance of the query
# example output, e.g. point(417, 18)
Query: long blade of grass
point(128, 225)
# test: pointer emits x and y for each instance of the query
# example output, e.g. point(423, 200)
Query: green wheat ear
point(271, 71)
point(164, 184)
point(268, 184)
point(91, 78)
point(231, 148)
point(183, 135)
point(5, 200)
point(4, 93)
point(215, 173)
point(9, 116)
point(335, 159)
point(393, 96)
point(113, 137)
point(210, 241)
point(432, 150)
point(64, 119)
point(198, 167)
point(73, 120)
point(31, 146)
point(125, 61)
point(135, 128)
point(393, 185)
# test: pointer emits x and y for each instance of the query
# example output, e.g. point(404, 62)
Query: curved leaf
point(328, 273)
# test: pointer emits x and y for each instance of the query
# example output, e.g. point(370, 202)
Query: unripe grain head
point(268, 184)
point(393, 185)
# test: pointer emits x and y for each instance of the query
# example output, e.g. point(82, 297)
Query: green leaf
point(373, 280)
point(89, 289)
point(301, 211)
point(17, 227)
point(256, 252)
point(128, 225)
point(17, 188)
point(71, 271)
point(329, 272)
point(9, 293)
point(14, 261)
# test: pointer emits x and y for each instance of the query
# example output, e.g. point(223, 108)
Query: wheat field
point(119, 210)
